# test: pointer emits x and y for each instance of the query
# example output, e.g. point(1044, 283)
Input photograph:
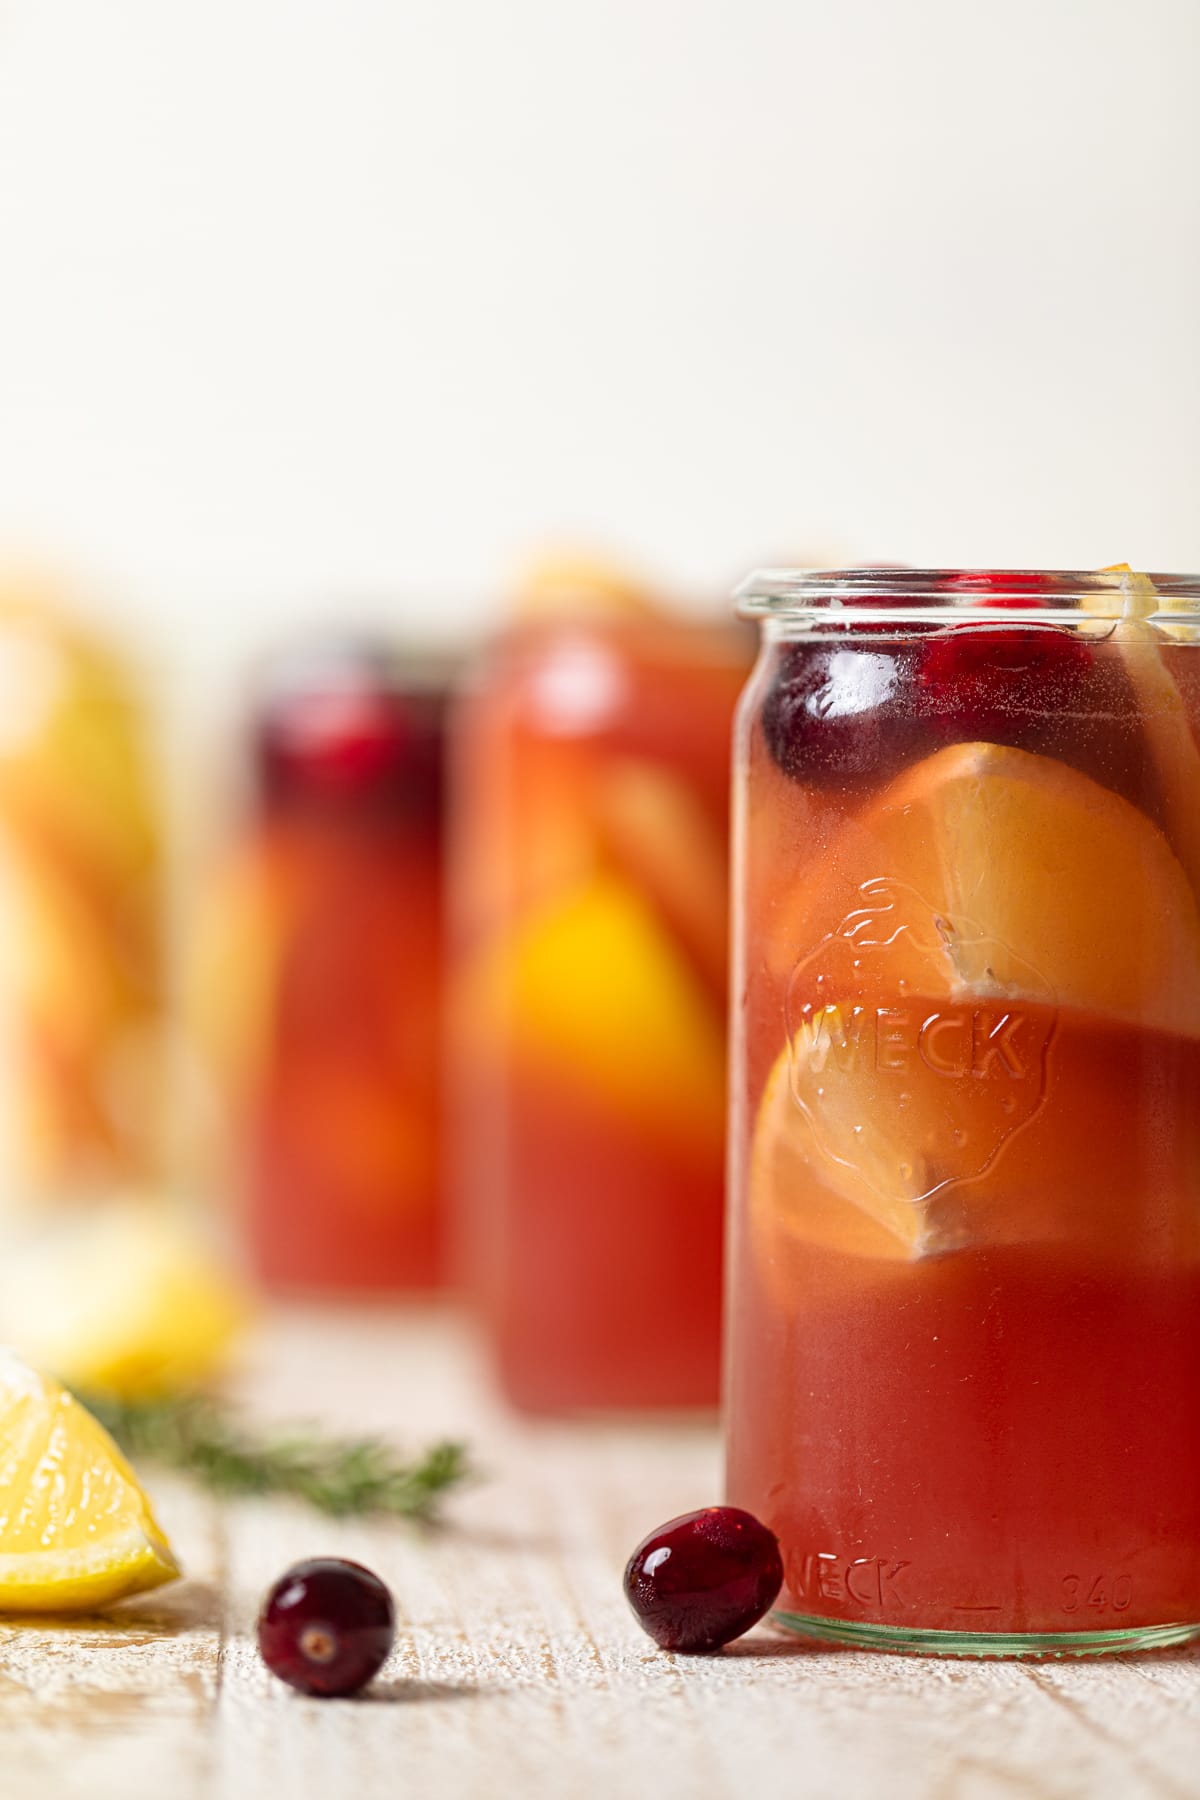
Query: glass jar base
point(905, 1639)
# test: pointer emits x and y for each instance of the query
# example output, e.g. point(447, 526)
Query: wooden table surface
point(517, 1668)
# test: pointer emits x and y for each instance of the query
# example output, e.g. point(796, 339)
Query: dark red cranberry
point(336, 731)
point(703, 1579)
point(1000, 683)
point(326, 1626)
point(841, 710)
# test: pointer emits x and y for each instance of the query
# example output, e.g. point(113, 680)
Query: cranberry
point(336, 731)
point(701, 1580)
point(326, 1626)
point(841, 710)
point(1001, 683)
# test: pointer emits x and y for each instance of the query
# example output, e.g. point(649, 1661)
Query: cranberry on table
point(326, 1626)
point(703, 1579)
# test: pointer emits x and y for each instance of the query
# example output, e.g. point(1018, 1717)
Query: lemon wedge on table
point(128, 1300)
point(76, 1530)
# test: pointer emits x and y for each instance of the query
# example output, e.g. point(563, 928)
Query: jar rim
point(922, 593)
point(332, 659)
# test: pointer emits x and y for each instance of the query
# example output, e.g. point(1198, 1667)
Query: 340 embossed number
point(1101, 1594)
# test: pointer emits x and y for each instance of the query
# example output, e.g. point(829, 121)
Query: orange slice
point(987, 872)
point(982, 937)
point(855, 1172)
point(795, 1193)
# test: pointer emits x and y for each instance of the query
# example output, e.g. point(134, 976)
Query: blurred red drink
point(592, 765)
point(331, 945)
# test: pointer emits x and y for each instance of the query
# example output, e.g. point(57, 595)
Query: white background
point(305, 302)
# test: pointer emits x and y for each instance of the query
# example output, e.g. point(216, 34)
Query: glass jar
point(590, 818)
point(82, 964)
point(964, 1325)
point(319, 971)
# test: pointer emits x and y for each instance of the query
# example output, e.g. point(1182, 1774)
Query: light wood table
point(517, 1668)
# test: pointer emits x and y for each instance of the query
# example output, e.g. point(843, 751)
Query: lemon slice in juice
point(1165, 722)
point(76, 1530)
point(593, 989)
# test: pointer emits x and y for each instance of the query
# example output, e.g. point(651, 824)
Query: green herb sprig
point(340, 1476)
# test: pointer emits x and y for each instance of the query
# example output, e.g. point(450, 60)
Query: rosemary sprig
point(199, 1434)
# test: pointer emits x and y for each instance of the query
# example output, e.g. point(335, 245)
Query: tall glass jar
point(591, 803)
point(964, 1321)
point(83, 989)
point(319, 971)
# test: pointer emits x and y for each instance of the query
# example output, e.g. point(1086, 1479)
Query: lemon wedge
point(1164, 719)
point(594, 988)
point(128, 1301)
point(76, 1530)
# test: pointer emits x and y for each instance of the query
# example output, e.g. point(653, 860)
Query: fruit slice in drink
point(958, 1018)
point(652, 826)
point(1168, 730)
point(591, 990)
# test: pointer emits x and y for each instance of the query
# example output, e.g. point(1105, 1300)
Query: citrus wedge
point(1165, 722)
point(980, 941)
point(594, 989)
point(794, 1193)
point(991, 873)
point(76, 1530)
point(125, 1299)
point(653, 827)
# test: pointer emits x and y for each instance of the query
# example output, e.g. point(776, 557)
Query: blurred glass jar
point(590, 802)
point(319, 974)
point(82, 985)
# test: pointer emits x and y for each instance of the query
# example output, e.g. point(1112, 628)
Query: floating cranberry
point(326, 1626)
point(703, 1579)
point(335, 730)
point(841, 710)
point(1000, 683)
